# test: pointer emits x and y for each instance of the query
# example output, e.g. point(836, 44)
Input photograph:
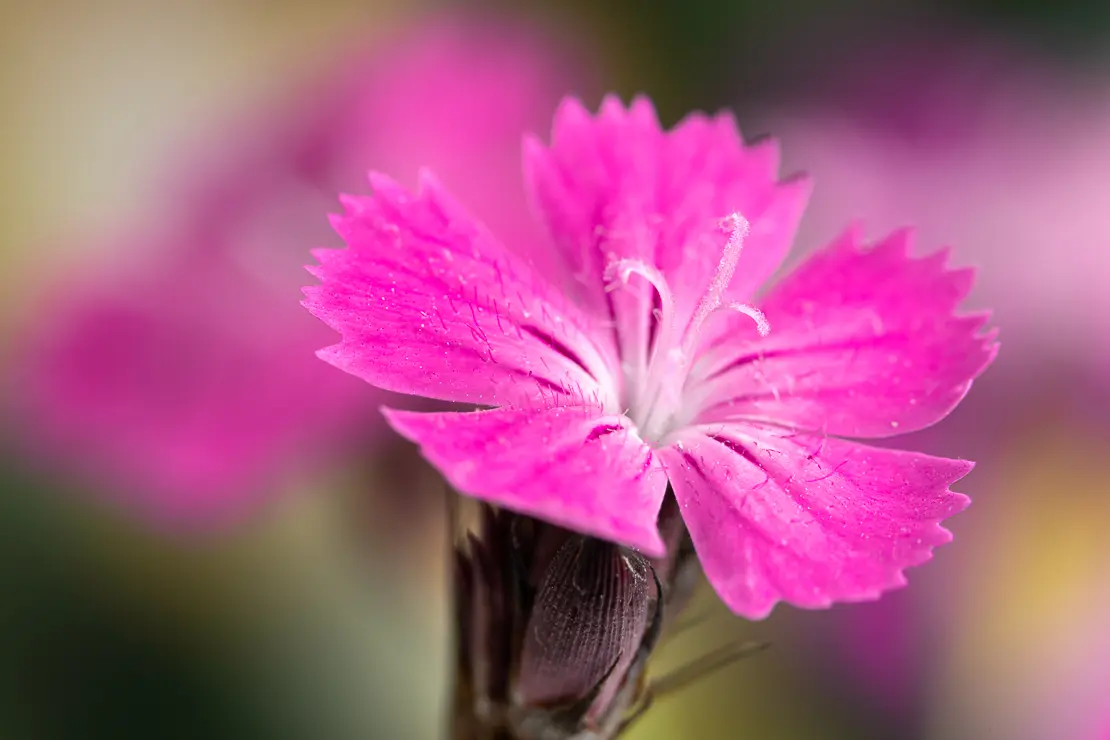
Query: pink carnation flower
point(645, 361)
point(187, 387)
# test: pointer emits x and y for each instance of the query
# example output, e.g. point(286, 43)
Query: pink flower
point(1035, 222)
point(181, 393)
point(187, 387)
point(643, 361)
point(455, 93)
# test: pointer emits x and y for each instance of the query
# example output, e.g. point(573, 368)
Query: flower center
point(657, 347)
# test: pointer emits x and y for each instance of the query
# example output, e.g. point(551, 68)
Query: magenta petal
point(806, 519)
point(429, 304)
point(616, 186)
point(565, 465)
point(863, 343)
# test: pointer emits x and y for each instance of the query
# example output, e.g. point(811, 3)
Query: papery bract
point(648, 358)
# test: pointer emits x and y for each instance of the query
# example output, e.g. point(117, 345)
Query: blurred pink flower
point(878, 644)
point(980, 147)
point(455, 94)
point(183, 391)
point(645, 362)
point(189, 387)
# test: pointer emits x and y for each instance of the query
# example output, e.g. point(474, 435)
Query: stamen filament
point(657, 389)
point(738, 227)
point(762, 325)
point(635, 339)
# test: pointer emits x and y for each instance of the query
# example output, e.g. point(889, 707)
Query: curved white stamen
point(639, 356)
point(708, 358)
point(762, 325)
point(623, 270)
point(618, 273)
point(737, 227)
point(657, 362)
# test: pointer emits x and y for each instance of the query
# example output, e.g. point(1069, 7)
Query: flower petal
point(566, 465)
point(615, 186)
point(863, 343)
point(806, 519)
point(429, 304)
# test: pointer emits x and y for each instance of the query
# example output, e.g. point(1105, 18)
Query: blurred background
point(208, 533)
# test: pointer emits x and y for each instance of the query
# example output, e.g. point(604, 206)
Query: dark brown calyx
point(555, 628)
